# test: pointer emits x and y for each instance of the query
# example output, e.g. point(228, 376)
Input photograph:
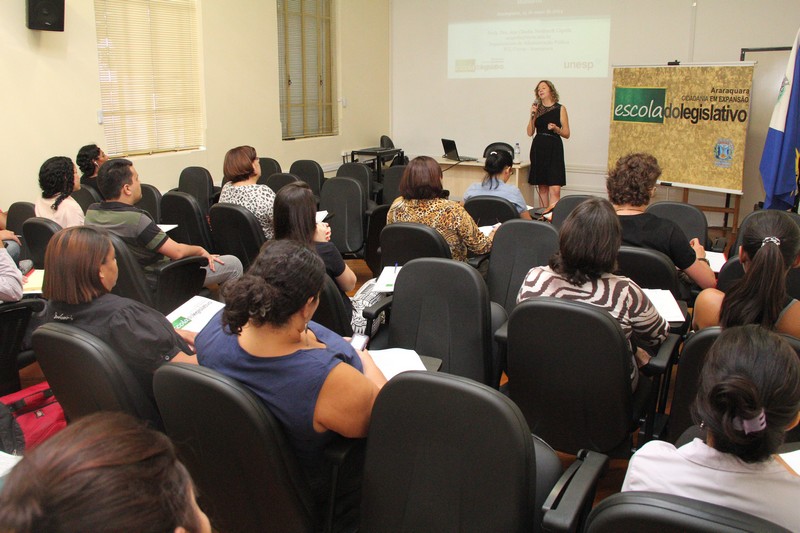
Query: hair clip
point(774, 240)
point(753, 425)
point(492, 153)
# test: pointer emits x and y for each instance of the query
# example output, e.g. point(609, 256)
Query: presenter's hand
point(551, 126)
point(534, 108)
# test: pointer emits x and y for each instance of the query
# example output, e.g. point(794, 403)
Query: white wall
point(50, 93)
point(427, 106)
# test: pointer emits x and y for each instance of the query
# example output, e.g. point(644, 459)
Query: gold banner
point(692, 118)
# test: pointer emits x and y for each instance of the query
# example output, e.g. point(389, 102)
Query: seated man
point(119, 184)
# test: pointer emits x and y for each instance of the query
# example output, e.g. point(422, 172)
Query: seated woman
point(58, 177)
point(242, 169)
point(80, 270)
point(310, 378)
point(89, 160)
point(770, 247)
point(421, 201)
point(104, 472)
point(581, 271)
point(498, 167)
point(631, 185)
point(295, 212)
point(748, 397)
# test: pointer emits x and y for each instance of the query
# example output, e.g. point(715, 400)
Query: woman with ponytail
point(770, 247)
point(58, 177)
point(309, 377)
point(748, 398)
point(498, 167)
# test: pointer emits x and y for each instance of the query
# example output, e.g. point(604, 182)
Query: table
point(379, 154)
point(459, 176)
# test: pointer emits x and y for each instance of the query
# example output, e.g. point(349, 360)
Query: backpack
point(28, 418)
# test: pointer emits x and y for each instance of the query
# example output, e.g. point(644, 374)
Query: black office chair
point(198, 182)
point(372, 248)
point(14, 319)
point(431, 467)
point(87, 376)
point(362, 173)
point(440, 308)
point(269, 167)
point(37, 232)
point(182, 209)
point(488, 210)
point(651, 269)
point(344, 199)
point(565, 206)
point(250, 480)
point(391, 183)
point(86, 196)
point(150, 202)
point(279, 179)
point(732, 271)
point(310, 172)
point(163, 287)
point(688, 217)
point(235, 231)
point(650, 512)
point(693, 356)
point(17, 214)
point(518, 246)
point(386, 142)
point(498, 146)
point(403, 241)
point(568, 370)
point(331, 311)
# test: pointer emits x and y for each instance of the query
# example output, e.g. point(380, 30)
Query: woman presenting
point(549, 121)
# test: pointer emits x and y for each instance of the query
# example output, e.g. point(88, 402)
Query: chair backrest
point(344, 199)
point(359, 172)
point(131, 281)
point(150, 202)
point(235, 231)
point(732, 271)
point(693, 356)
point(14, 319)
point(310, 172)
point(688, 217)
point(518, 246)
point(19, 212)
point(269, 167)
point(372, 248)
point(431, 467)
point(734, 249)
point(488, 210)
point(386, 142)
point(198, 182)
point(568, 369)
point(648, 512)
point(279, 179)
point(37, 232)
point(86, 196)
point(498, 146)
point(650, 269)
point(248, 478)
point(565, 206)
point(403, 241)
point(441, 309)
point(391, 183)
point(87, 376)
point(331, 311)
point(182, 209)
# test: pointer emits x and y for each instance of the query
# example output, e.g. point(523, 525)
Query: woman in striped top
point(581, 271)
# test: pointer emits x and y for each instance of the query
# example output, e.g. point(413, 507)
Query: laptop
point(451, 152)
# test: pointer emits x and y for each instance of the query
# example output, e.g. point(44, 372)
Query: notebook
point(451, 152)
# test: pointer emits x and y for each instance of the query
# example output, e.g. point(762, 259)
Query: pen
point(395, 268)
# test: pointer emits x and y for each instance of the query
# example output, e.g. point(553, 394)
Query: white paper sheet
point(665, 304)
point(386, 281)
point(393, 361)
point(792, 459)
point(716, 260)
point(194, 314)
point(166, 227)
point(321, 216)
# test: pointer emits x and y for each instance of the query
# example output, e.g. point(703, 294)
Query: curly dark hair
point(280, 281)
point(56, 179)
point(85, 159)
point(632, 179)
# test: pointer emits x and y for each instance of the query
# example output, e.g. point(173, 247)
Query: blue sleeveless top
point(288, 385)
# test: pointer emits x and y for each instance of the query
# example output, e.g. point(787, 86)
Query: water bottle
point(516, 153)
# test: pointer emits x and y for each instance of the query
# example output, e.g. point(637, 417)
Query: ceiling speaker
point(47, 15)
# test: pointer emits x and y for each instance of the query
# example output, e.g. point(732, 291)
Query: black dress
point(547, 150)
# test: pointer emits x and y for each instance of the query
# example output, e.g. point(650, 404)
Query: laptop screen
point(450, 150)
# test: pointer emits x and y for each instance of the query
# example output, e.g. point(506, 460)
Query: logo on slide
point(639, 104)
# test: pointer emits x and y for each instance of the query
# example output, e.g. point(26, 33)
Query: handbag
point(35, 411)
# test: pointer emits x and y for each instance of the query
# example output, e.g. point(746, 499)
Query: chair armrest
point(346, 459)
point(476, 261)
point(178, 263)
point(665, 357)
point(501, 334)
point(372, 312)
point(570, 500)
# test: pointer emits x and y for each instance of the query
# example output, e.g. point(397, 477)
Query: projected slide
point(542, 47)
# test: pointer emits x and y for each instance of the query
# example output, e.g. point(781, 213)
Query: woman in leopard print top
point(243, 168)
